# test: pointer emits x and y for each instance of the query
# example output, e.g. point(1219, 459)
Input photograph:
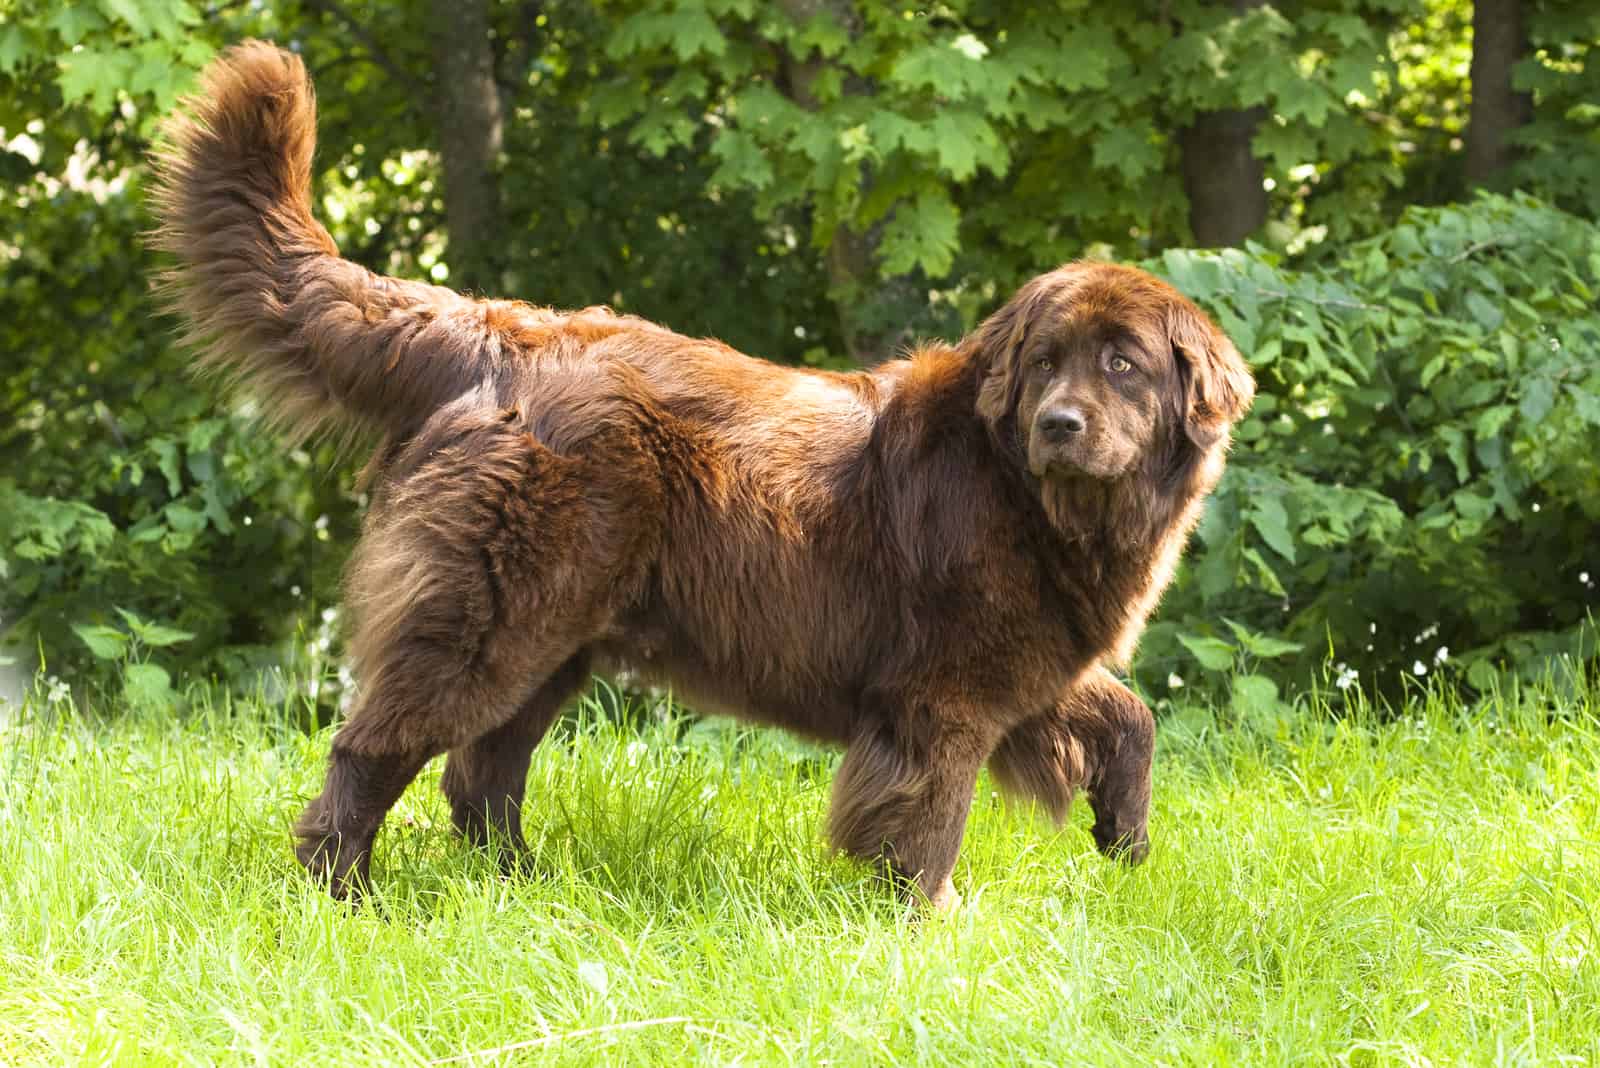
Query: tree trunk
point(469, 125)
point(1221, 174)
point(1499, 40)
point(1222, 177)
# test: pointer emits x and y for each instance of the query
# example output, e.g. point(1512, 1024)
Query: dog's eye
point(1044, 364)
point(1120, 365)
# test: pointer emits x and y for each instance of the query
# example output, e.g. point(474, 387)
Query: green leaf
point(889, 131)
point(1300, 99)
point(1217, 570)
point(169, 17)
point(127, 11)
point(964, 141)
point(1214, 654)
point(1269, 577)
point(1481, 675)
point(75, 21)
point(1538, 395)
point(694, 33)
point(1271, 521)
point(823, 33)
point(153, 634)
point(1128, 148)
point(1471, 506)
point(922, 233)
point(686, 34)
point(147, 685)
point(13, 47)
point(1260, 645)
point(956, 69)
point(1254, 696)
point(106, 643)
point(1094, 53)
point(1265, 353)
point(1492, 420)
point(183, 519)
point(1586, 403)
point(1484, 311)
point(742, 163)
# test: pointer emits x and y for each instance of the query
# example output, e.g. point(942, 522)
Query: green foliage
point(121, 483)
point(599, 219)
point(1562, 144)
point(78, 61)
point(1419, 472)
point(1039, 132)
point(782, 183)
point(144, 685)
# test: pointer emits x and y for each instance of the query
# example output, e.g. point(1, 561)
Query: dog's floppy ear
point(999, 343)
point(1218, 386)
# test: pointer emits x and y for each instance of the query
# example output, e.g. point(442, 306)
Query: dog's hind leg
point(481, 574)
point(422, 694)
point(484, 779)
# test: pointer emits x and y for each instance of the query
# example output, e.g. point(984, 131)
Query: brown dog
point(927, 563)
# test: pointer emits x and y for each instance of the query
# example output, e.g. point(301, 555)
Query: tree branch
point(376, 52)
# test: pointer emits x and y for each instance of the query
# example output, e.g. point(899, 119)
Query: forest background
point(1391, 206)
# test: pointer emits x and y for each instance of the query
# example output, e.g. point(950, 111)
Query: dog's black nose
point(1061, 423)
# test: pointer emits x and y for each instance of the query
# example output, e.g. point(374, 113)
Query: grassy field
point(1423, 890)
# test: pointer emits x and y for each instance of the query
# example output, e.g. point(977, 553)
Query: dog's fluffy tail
point(322, 342)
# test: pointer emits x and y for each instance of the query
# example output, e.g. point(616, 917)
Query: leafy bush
point(121, 485)
point(1419, 482)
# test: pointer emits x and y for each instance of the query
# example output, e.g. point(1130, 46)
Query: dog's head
point(1102, 371)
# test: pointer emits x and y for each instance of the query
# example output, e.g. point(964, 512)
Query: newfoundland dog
point(929, 563)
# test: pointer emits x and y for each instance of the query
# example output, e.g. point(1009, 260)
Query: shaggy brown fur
point(927, 563)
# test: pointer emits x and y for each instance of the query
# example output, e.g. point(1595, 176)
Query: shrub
point(122, 485)
point(1419, 482)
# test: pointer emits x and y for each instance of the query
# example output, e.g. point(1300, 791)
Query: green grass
point(1421, 891)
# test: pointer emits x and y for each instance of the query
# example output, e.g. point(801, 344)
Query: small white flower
point(248, 520)
point(1583, 577)
point(330, 614)
point(1419, 668)
point(1372, 628)
point(58, 692)
point(1347, 676)
point(1442, 654)
point(294, 591)
point(1174, 681)
point(1535, 506)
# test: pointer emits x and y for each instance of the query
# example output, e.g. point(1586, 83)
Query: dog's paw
point(1129, 847)
point(330, 864)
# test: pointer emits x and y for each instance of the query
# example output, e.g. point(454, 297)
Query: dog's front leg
point(1123, 753)
point(1099, 737)
point(903, 801)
